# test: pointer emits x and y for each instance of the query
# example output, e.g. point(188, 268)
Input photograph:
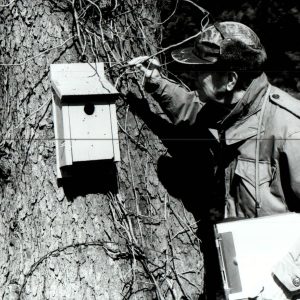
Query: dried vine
point(163, 276)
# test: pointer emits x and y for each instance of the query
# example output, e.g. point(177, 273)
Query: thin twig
point(6, 5)
point(76, 20)
point(191, 283)
point(134, 141)
point(40, 54)
point(34, 113)
point(171, 15)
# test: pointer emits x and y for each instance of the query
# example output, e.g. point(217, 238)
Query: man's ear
point(232, 80)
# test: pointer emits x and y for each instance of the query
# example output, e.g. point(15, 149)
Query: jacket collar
point(242, 122)
point(242, 131)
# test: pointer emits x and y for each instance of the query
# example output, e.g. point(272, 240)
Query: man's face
point(212, 86)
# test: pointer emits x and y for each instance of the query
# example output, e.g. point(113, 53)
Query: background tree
point(85, 239)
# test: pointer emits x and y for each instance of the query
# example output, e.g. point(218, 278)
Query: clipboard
point(249, 248)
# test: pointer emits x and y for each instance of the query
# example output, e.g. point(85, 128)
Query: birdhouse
point(84, 112)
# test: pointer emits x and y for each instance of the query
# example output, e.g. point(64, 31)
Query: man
point(256, 124)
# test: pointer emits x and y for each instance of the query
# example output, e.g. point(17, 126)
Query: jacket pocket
point(245, 169)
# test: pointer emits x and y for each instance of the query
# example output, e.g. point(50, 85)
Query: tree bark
point(85, 238)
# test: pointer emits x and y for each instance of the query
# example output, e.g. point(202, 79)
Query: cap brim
point(186, 56)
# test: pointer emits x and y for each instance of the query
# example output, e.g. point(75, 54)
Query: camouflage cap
point(213, 44)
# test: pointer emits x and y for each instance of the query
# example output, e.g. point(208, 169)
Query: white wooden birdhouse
point(84, 111)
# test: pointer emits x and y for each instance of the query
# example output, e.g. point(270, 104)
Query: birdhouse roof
point(80, 79)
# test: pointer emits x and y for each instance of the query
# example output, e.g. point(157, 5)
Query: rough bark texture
point(84, 238)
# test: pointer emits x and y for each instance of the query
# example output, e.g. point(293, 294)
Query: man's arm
point(179, 104)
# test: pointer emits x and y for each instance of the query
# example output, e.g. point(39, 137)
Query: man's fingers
point(150, 63)
point(138, 60)
point(153, 63)
point(149, 66)
point(149, 72)
point(143, 68)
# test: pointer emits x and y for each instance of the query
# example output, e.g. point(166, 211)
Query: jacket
point(236, 131)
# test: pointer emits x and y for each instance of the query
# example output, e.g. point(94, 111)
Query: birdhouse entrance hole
point(89, 108)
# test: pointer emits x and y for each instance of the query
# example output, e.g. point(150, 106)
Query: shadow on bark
point(187, 172)
point(89, 178)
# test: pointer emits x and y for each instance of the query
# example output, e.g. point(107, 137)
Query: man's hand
point(149, 66)
point(273, 290)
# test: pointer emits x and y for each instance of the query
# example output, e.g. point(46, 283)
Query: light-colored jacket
point(279, 155)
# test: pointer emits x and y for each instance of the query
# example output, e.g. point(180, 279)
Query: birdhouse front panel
point(91, 132)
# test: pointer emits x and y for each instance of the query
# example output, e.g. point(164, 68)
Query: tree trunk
point(86, 238)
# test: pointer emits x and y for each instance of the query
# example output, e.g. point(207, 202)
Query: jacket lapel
point(242, 123)
point(241, 131)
